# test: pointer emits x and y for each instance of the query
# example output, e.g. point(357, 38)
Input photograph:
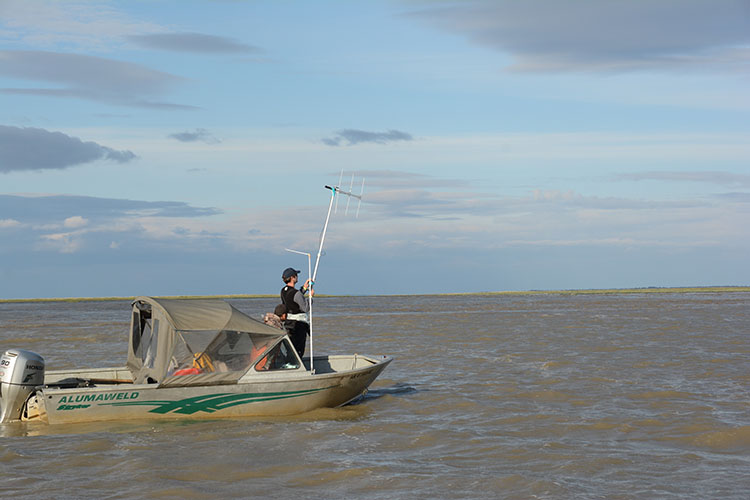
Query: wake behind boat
point(187, 358)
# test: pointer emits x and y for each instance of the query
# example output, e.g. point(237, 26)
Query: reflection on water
point(595, 396)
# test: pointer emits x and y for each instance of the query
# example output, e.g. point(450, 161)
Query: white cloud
point(457, 222)
point(100, 222)
point(61, 242)
point(8, 223)
point(393, 221)
point(75, 222)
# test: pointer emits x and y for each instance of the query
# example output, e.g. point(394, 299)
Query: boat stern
point(21, 372)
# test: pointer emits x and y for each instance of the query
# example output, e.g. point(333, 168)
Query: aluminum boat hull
point(337, 380)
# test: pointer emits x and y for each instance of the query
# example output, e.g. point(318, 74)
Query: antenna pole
point(325, 228)
point(334, 190)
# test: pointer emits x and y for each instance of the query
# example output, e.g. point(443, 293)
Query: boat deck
point(118, 375)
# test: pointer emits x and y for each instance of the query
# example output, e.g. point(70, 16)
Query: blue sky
point(178, 147)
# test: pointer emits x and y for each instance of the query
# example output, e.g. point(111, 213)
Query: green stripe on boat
point(213, 402)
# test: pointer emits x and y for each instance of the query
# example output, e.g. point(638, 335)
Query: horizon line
point(583, 291)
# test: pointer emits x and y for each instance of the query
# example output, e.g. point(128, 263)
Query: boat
point(187, 359)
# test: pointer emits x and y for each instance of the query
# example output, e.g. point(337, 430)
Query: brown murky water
point(552, 396)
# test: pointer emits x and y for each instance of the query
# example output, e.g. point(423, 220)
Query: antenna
point(341, 176)
point(334, 191)
point(349, 198)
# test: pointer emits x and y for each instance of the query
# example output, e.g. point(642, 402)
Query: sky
point(180, 147)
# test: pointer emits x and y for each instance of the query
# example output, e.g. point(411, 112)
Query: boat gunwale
point(254, 379)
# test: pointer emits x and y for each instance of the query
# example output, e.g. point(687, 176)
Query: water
point(553, 396)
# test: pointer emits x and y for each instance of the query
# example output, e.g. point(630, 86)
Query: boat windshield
point(281, 357)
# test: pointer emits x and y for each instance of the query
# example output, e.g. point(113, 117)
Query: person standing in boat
point(296, 323)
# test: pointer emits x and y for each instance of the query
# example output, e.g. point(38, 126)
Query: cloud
point(705, 177)
point(39, 149)
point(446, 199)
point(8, 223)
point(83, 71)
point(423, 221)
point(395, 193)
point(351, 137)
point(73, 224)
point(734, 197)
point(75, 221)
point(411, 195)
point(88, 77)
point(193, 42)
point(605, 35)
point(199, 134)
point(77, 209)
point(71, 24)
point(419, 203)
point(395, 179)
point(61, 242)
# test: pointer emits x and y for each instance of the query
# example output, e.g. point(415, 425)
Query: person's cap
point(289, 272)
point(280, 309)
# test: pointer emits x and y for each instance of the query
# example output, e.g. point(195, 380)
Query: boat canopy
point(178, 342)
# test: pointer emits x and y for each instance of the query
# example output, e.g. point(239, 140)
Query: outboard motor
point(20, 372)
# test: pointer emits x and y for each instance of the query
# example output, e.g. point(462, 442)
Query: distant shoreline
point(602, 291)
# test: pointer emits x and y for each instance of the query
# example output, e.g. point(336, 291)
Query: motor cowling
point(21, 372)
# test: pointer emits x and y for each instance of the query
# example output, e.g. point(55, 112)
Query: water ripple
point(617, 396)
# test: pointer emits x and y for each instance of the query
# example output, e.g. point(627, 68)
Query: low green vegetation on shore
point(612, 291)
point(104, 299)
point(605, 291)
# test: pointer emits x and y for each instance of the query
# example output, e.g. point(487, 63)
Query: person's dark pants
point(298, 333)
